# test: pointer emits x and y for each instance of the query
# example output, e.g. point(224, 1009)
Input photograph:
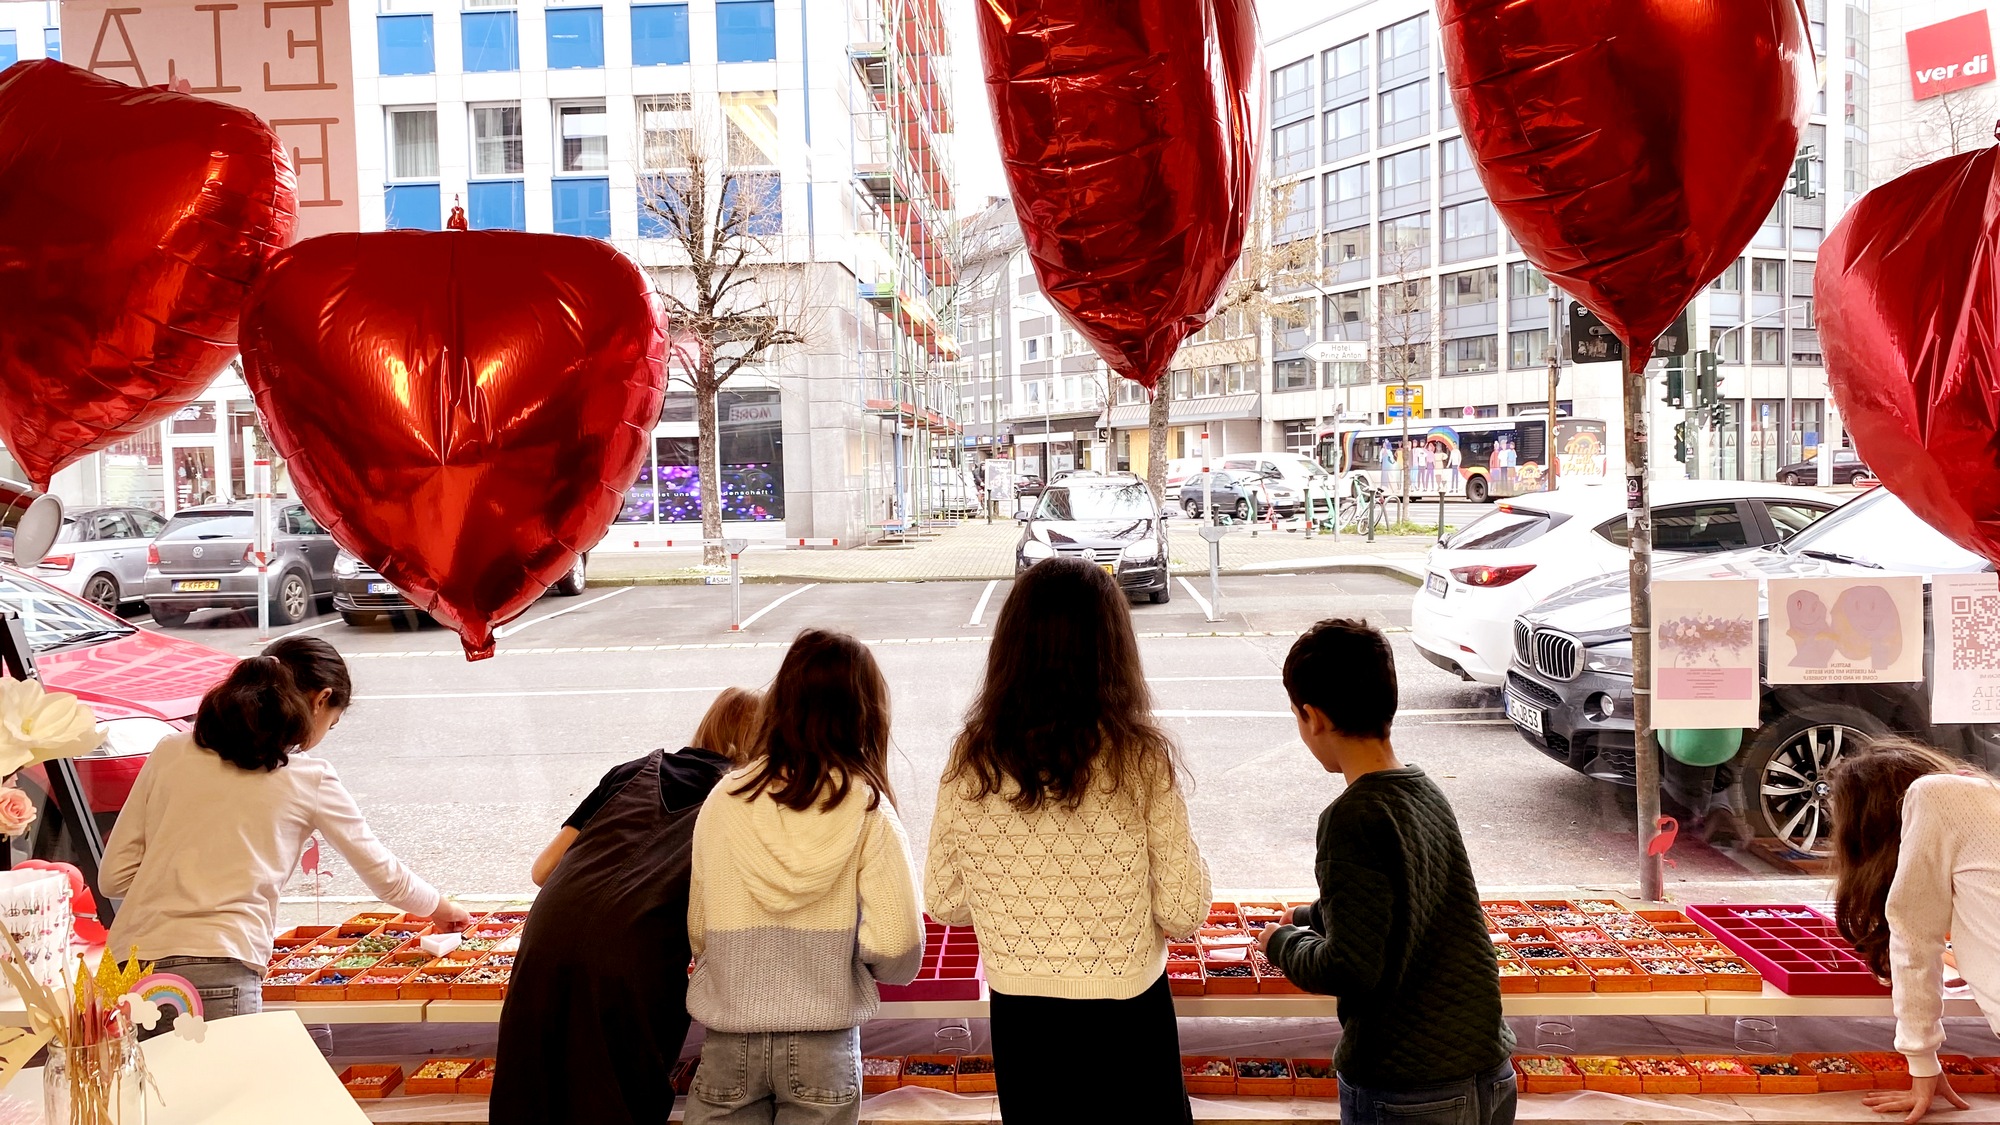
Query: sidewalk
point(978, 550)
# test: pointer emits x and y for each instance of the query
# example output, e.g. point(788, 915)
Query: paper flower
point(142, 1012)
point(37, 725)
point(17, 811)
point(191, 1027)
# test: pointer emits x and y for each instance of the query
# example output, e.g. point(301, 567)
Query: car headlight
point(346, 565)
point(124, 738)
point(1036, 549)
point(1148, 548)
point(1614, 659)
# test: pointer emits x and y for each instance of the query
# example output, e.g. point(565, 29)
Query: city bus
point(1478, 458)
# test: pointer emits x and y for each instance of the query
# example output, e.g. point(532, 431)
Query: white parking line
point(979, 610)
point(510, 630)
point(775, 603)
point(1470, 723)
point(1177, 714)
point(1206, 609)
point(143, 622)
point(308, 628)
point(539, 692)
point(1205, 679)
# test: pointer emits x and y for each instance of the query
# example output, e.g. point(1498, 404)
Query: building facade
point(1932, 90)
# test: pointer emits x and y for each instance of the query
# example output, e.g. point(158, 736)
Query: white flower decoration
point(37, 725)
point(143, 1012)
point(191, 1027)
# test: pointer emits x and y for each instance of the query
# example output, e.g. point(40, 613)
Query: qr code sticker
point(1975, 631)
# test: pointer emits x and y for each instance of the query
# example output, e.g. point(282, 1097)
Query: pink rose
point(17, 811)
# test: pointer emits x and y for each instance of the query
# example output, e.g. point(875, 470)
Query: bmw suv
point(1108, 520)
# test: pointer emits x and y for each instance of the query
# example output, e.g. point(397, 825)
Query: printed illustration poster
point(1965, 614)
point(1847, 630)
point(1705, 654)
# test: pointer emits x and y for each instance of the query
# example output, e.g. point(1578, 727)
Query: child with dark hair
point(219, 817)
point(1396, 932)
point(800, 898)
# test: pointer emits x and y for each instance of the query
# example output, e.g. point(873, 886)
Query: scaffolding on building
point(904, 200)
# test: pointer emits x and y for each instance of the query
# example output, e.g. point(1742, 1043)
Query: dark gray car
point(1107, 520)
point(203, 560)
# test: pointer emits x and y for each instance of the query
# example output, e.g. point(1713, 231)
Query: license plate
point(198, 586)
point(1437, 584)
point(381, 588)
point(1526, 715)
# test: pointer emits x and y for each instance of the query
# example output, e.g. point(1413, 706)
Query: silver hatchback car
point(205, 559)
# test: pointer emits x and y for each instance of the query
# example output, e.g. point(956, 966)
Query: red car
point(142, 685)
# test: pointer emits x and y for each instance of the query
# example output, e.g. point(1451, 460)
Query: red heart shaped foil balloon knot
point(132, 224)
point(1907, 295)
point(1130, 133)
point(464, 410)
point(1632, 148)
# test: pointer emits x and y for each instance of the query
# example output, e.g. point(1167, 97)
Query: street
point(465, 770)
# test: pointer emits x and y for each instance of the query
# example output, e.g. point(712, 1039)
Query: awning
point(1187, 410)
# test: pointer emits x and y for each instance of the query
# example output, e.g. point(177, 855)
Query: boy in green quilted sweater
point(1396, 932)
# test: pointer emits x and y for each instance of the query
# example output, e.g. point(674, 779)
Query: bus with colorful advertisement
point(1478, 458)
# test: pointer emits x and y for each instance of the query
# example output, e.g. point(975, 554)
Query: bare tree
point(1406, 323)
point(731, 298)
point(1946, 125)
point(1280, 257)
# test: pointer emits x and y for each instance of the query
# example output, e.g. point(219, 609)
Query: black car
point(1848, 467)
point(362, 595)
point(1027, 486)
point(1108, 520)
point(1242, 494)
point(1569, 683)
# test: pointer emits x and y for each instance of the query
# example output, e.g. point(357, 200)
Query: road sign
point(1404, 398)
point(1591, 342)
point(1337, 351)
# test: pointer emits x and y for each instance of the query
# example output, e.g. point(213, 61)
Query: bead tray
point(951, 967)
point(1795, 947)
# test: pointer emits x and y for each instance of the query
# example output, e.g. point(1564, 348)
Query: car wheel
point(170, 618)
point(292, 600)
point(102, 592)
point(571, 584)
point(1476, 490)
point(1164, 594)
point(1791, 479)
point(1241, 511)
point(1787, 767)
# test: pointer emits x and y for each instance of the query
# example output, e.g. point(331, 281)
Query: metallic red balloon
point(464, 410)
point(1632, 147)
point(132, 224)
point(1907, 294)
point(1130, 132)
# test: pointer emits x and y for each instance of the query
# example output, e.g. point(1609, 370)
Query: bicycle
point(1367, 511)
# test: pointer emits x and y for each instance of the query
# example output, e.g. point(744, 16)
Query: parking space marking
point(1470, 723)
point(538, 692)
point(979, 611)
point(1181, 714)
point(775, 603)
point(510, 630)
point(695, 646)
point(1205, 679)
point(308, 628)
point(1206, 609)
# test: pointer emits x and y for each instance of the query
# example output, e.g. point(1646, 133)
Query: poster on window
point(1965, 619)
point(1705, 654)
point(1847, 630)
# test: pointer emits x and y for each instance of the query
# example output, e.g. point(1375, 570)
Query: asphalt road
point(465, 770)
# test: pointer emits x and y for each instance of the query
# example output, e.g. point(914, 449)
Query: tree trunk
point(1639, 521)
point(1156, 438)
point(708, 470)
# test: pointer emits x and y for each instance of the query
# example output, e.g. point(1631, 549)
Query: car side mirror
point(1022, 517)
point(1166, 513)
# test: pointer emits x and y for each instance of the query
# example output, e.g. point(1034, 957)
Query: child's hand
point(1264, 939)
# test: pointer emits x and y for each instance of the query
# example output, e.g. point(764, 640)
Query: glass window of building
point(1727, 344)
point(582, 205)
point(750, 119)
point(1405, 49)
point(1347, 374)
point(1730, 279)
point(1406, 244)
point(1292, 375)
point(1470, 355)
point(1346, 254)
point(666, 129)
point(52, 42)
point(1456, 176)
point(1525, 348)
point(1292, 148)
point(1293, 204)
point(1291, 90)
point(496, 205)
point(1473, 287)
point(1767, 277)
point(1470, 230)
point(1447, 112)
point(413, 144)
point(746, 31)
point(581, 138)
point(1344, 71)
point(403, 44)
point(490, 41)
point(1524, 280)
point(1406, 112)
point(576, 38)
point(1406, 180)
point(1346, 195)
point(660, 34)
point(496, 140)
point(1767, 345)
point(1347, 316)
point(1345, 131)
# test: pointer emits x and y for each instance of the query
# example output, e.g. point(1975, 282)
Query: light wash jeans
point(1485, 1099)
point(778, 1078)
point(227, 988)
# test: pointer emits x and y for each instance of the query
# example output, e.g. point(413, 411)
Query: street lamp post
point(1785, 428)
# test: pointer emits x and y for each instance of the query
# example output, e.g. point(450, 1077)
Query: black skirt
point(1089, 1061)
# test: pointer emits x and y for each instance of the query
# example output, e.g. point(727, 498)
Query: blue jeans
point(227, 988)
point(1486, 1099)
point(778, 1078)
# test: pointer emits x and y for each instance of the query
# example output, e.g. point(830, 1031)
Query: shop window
point(659, 34)
point(497, 205)
point(745, 31)
point(403, 45)
point(576, 38)
point(583, 206)
point(490, 41)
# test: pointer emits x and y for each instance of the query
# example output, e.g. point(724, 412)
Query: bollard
point(1440, 515)
point(1214, 533)
point(735, 548)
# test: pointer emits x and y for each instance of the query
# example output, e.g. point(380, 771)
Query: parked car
point(1569, 685)
point(1179, 469)
point(1029, 485)
point(1529, 547)
point(204, 560)
point(143, 685)
point(361, 595)
point(100, 555)
point(1296, 470)
point(1848, 467)
point(1111, 521)
point(1240, 494)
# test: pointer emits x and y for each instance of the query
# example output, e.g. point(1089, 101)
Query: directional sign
point(1404, 398)
point(1337, 351)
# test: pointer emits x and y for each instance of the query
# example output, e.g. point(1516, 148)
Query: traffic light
point(1676, 384)
point(1681, 442)
point(1707, 383)
point(1801, 184)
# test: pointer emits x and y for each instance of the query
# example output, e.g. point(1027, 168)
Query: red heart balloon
point(1907, 293)
point(463, 410)
point(132, 224)
point(1633, 147)
point(1130, 134)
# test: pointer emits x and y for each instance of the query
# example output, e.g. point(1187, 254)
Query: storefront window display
point(753, 470)
point(130, 472)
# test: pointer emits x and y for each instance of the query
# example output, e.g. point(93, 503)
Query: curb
point(1386, 570)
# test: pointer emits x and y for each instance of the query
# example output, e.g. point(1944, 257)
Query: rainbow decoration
point(168, 990)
